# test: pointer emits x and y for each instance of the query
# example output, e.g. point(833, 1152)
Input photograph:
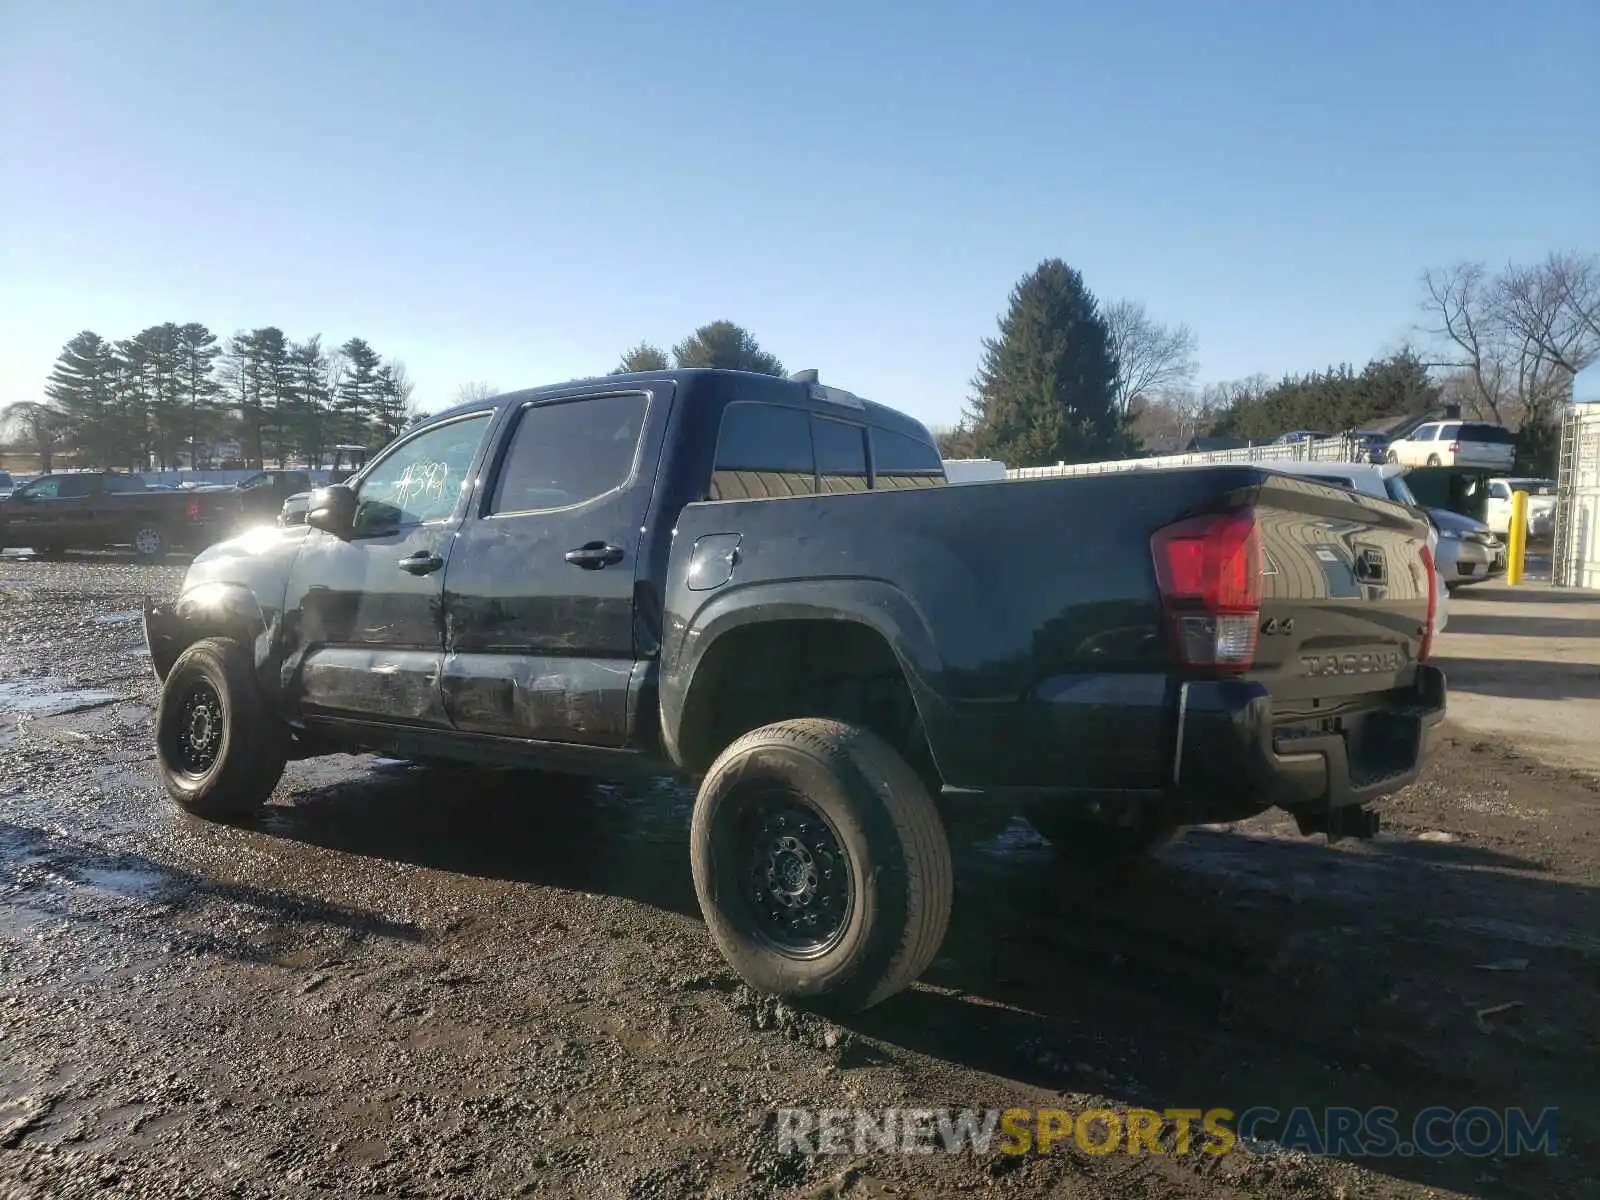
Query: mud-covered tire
point(1101, 847)
point(861, 808)
point(149, 542)
point(224, 762)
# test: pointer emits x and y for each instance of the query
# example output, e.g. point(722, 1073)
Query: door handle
point(423, 562)
point(591, 556)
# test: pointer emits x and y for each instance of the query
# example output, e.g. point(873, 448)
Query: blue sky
point(517, 192)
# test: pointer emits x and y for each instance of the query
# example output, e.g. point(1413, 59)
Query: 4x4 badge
point(1275, 625)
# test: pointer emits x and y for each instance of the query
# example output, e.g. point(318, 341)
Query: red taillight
point(1209, 572)
point(192, 508)
point(1433, 605)
point(1455, 447)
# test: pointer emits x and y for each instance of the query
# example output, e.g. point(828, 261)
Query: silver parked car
point(1469, 551)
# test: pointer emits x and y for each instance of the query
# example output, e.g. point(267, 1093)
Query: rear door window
point(763, 450)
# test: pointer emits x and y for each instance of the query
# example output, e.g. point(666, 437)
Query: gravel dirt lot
point(1524, 663)
point(406, 983)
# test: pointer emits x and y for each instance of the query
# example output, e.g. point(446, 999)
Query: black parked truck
point(764, 585)
point(91, 510)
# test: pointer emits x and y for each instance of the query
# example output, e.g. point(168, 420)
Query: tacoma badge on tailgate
point(1365, 662)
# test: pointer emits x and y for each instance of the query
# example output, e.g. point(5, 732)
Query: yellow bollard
point(1517, 549)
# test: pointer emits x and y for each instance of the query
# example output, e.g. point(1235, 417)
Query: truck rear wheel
point(821, 864)
point(148, 541)
point(219, 752)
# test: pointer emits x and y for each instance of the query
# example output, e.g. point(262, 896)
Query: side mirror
point(333, 510)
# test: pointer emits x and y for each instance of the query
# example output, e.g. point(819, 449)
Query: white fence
point(1334, 449)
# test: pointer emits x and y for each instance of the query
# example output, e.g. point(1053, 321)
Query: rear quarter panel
point(1008, 603)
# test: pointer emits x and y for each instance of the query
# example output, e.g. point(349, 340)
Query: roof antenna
point(809, 375)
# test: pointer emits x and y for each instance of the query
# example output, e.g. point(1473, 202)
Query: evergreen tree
point(357, 401)
point(241, 370)
point(154, 422)
point(724, 344)
point(197, 358)
point(1334, 400)
point(392, 401)
point(643, 357)
point(83, 392)
point(311, 399)
point(1045, 390)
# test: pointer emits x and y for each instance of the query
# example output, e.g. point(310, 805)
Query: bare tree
point(1166, 423)
point(35, 425)
point(1461, 305)
point(1521, 335)
point(475, 389)
point(1554, 307)
point(1152, 358)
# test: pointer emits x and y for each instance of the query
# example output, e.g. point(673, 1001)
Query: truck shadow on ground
point(1233, 971)
point(1495, 595)
point(45, 877)
point(1243, 971)
point(1510, 624)
point(523, 826)
point(1521, 680)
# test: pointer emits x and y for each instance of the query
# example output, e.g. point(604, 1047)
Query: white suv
point(1456, 444)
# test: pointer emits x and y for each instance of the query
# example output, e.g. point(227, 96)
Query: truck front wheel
point(219, 753)
point(821, 864)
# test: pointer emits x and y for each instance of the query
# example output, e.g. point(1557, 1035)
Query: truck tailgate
point(1345, 596)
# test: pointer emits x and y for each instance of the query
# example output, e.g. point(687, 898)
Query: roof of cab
point(810, 394)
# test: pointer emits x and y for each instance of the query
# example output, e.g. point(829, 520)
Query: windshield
point(1395, 485)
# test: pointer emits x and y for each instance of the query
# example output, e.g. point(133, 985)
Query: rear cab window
point(768, 450)
point(1496, 435)
point(763, 450)
point(841, 454)
point(899, 461)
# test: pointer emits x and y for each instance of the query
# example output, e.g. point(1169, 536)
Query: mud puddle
point(49, 697)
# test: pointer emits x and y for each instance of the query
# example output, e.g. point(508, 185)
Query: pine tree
point(356, 402)
point(1045, 388)
point(392, 400)
point(643, 357)
point(724, 344)
point(311, 399)
point(197, 358)
point(154, 416)
point(83, 390)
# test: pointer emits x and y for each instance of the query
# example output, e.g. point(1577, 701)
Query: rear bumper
point(1234, 758)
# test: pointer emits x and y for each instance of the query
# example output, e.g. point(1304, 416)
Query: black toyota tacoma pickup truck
point(765, 586)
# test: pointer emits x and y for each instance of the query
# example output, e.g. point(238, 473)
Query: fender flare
point(211, 609)
point(873, 603)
